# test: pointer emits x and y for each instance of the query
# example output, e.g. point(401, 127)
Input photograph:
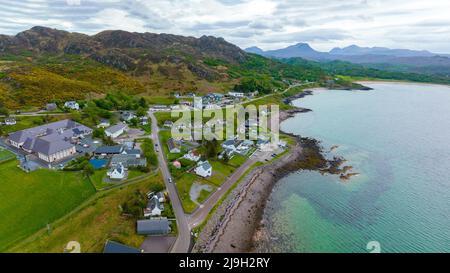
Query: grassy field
point(184, 185)
point(36, 199)
point(160, 100)
point(100, 219)
point(5, 155)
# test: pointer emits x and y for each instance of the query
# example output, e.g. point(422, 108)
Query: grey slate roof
point(50, 138)
point(133, 151)
point(205, 165)
point(128, 160)
point(153, 226)
point(172, 144)
point(48, 148)
point(117, 149)
point(115, 247)
point(115, 128)
point(229, 142)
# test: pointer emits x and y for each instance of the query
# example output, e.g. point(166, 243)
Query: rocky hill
point(43, 64)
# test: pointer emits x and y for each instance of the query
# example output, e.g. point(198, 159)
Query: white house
point(212, 106)
point(236, 94)
point(245, 146)
point(10, 121)
point(229, 144)
point(116, 130)
point(144, 120)
point(127, 116)
point(192, 156)
point(204, 169)
point(174, 148)
point(157, 108)
point(282, 144)
point(117, 173)
point(154, 207)
point(161, 197)
point(104, 123)
point(72, 105)
point(168, 123)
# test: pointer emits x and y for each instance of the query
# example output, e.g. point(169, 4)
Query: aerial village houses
point(51, 107)
point(168, 123)
point(236, 94)
point(50, 142)
point(154, 207)
point(116, 130)
point(192, 156)
point(10, 121)
point(173, 146)
point(127, 116)
point(104, 123)
point(109, 150)
point(117, 172)
point(128, 160)
point(72, 105)
point(204, 169)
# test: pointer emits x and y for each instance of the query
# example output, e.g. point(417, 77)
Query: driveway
point(158, 244)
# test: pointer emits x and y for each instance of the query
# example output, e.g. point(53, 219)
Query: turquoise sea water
point(398, 137)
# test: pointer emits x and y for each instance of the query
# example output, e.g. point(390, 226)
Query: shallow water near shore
point(397, 137)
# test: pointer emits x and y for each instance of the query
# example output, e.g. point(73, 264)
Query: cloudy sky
point(269, 24)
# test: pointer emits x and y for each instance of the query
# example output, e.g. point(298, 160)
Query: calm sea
point(398, 138)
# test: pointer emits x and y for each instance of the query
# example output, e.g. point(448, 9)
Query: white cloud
point(269, 24)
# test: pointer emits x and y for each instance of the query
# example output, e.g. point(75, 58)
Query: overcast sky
point(269, 24)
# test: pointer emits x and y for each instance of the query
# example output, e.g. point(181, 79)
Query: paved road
point(183, 241)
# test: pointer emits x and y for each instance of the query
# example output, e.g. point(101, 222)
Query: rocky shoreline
point(236, 224)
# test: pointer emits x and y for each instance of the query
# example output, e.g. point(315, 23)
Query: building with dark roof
point(158, 226)
point(116, 130)
point(109, 150)
point(50, 142)
point(115, 247)
point(174, 148)
point(128, 160)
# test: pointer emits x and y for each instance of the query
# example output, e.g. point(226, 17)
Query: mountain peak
point(303, 46)
point(254, 49)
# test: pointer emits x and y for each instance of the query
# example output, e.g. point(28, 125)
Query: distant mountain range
point(404, 60)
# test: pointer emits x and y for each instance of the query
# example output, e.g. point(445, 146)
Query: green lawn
point(98, 220)
point(160, 100)
point(237, 160)
point(28, 202)
point(204, 194)
point(184, 184)
point(5, 155)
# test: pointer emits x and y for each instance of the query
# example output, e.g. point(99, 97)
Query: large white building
point(116, 130)
point(50, 142)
